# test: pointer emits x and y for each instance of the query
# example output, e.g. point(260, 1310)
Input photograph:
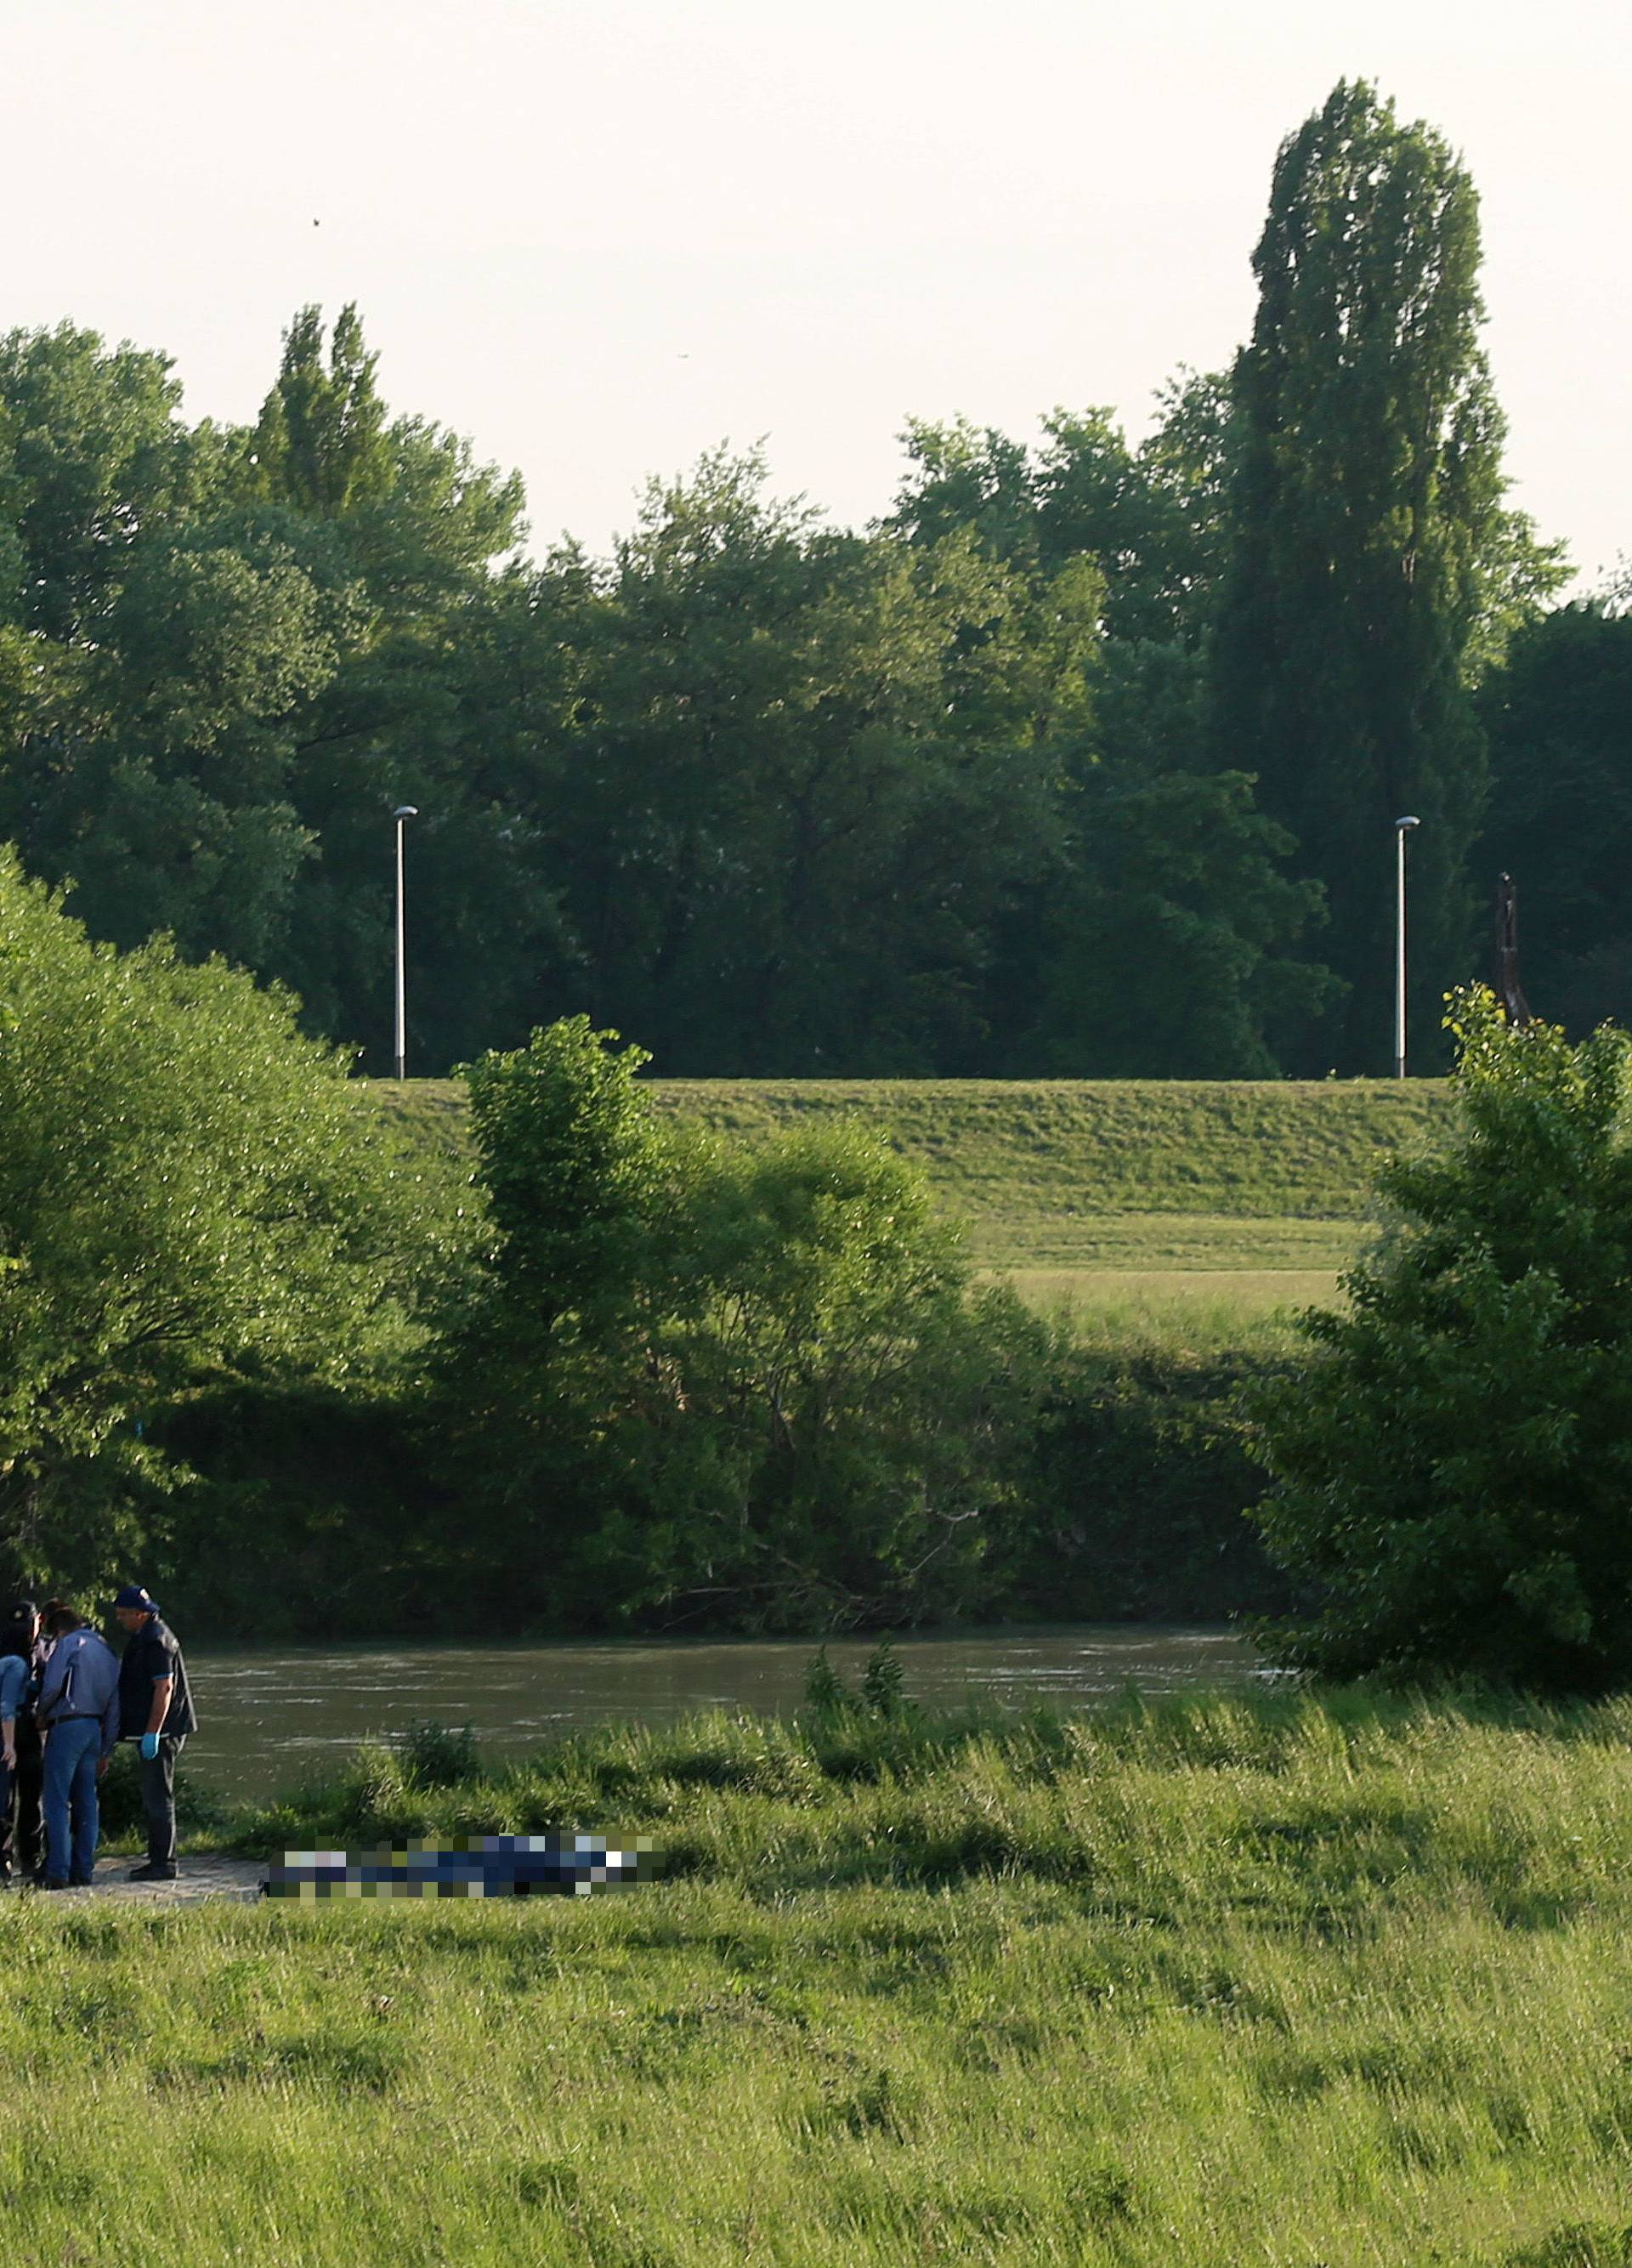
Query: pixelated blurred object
point(465, 1867)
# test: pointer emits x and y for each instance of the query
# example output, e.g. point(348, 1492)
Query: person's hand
point(102, 1767)
point(149, 1746)
point(9, 1758)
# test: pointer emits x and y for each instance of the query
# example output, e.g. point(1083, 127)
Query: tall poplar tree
point(1372, 560)
point(321, 444)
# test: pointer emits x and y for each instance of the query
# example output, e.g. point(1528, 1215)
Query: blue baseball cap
point(133, 1596)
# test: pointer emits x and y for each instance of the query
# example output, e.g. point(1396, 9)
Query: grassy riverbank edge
point(1287, 1976)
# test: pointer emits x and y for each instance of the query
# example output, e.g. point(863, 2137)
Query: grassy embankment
point(1135, 1203)
point(1266, 1979)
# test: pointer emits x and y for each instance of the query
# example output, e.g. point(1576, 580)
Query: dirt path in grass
point(203, 1876)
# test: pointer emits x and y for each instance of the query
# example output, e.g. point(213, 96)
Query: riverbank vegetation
point(631, 1371)
point(758, 1386)
point(684, 1382)
point(1275, 1977)
point(187, 1193)
point(713, 1380)
point(1450, 1454)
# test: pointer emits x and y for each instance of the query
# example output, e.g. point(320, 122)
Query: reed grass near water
point(1271, 1978)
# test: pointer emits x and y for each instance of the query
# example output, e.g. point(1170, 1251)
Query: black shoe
point(153, 1873)
point(46, 1883)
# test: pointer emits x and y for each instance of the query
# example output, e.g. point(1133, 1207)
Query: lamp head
point(411, 811)
point(1403, 823)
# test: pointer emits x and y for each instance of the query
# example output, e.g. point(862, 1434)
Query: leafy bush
point(187, 1191)
point(1453, 1457)
point(749, 1385)
point(1132, 1507)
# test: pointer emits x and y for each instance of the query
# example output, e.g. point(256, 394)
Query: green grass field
point(1081, 1186)
point(1265, 1979)
point(1208, 1306)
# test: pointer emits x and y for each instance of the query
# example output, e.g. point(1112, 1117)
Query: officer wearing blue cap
point(156, 1710)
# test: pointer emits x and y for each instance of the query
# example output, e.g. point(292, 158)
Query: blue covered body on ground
point(464, 1867)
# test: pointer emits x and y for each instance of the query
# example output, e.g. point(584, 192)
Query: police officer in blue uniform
point(155, 1710)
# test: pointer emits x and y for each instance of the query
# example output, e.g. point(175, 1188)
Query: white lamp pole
point(1402, 827)
point(403, 813)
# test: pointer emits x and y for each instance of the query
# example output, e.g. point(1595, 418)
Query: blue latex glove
point(149, 1746)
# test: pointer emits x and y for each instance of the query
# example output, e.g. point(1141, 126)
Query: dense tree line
point(1084, 760)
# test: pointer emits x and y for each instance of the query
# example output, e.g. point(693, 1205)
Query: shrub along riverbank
point(315, 1515)
point(1279, 1977)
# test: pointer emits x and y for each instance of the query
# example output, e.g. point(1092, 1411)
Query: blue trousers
point(71, 1761)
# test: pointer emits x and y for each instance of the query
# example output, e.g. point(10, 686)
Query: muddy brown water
point(272, 1718)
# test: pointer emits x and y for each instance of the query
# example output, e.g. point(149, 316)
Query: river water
point(269, 1720)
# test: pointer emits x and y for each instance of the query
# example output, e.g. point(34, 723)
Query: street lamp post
point(1402, 827)
point(403, 813)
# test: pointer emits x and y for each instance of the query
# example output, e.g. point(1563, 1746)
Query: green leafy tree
point(1173, 952)
point(1148, 516)
point(573, 1163)
point(778, 745)
point(1559, 714)
point(1161, 936)
point(92, 456)
point(187, 1191)
point(856, 1419)
point(396, 516)
point(321, 445)
point(1151, 518)
point(693, 1383)
point(1454, 1456)
point(963, 478)
point(225, 657)
point(419, 515)
point(153, 772)
point(1373, 561)
point(548, 1354)
point(1186, 460)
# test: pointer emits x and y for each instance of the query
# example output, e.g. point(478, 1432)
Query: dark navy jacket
point(150, 1653)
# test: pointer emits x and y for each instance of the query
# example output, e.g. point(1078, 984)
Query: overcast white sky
point(600, 236)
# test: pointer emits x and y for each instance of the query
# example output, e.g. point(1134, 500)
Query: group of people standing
point(66, 1699)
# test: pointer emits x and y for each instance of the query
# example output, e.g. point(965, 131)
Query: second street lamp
point(1402, 827)
point(403, 813)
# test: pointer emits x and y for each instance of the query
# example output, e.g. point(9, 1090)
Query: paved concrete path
point(203, 1876)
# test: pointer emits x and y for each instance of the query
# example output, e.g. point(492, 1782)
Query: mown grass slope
point(1273, 1979)
point(1166, 1175)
